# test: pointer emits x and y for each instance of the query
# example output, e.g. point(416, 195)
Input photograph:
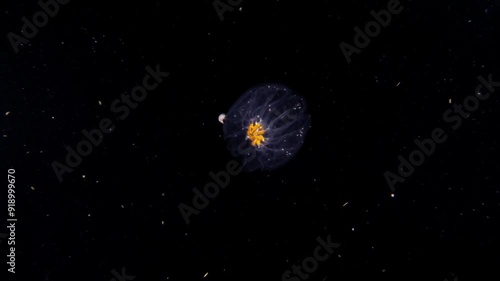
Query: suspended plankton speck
point(222, 116)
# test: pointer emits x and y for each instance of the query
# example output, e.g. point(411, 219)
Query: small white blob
point(222, 116)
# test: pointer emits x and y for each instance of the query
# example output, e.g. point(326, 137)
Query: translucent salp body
point(266, 127)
